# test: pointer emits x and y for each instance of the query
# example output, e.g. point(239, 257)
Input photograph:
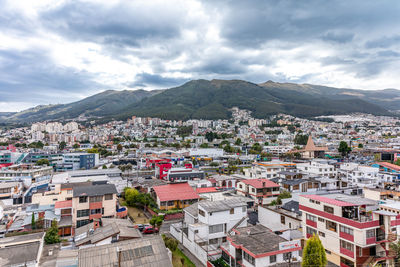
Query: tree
point(131, 196)
point(238, 142)
point(76, 146)
point(93, 150)
point(301, 139)
point(395, 250)
point(33, 222)
point(156, 220)
point(314, 253)
point(284, 194)
point(344, 149)
point(51, 236)
point(62, 145)
point(119, 147)
point(360, 145)
point(104, 166)
point(41, 162)
point(204, 145)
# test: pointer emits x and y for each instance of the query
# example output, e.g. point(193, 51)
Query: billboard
point(289, 245)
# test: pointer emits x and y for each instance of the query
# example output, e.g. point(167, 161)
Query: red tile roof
point(258, 183)
point(181, 191)
point(206, 190)
point(390, 165)
point(329, 200)
point(63, 204)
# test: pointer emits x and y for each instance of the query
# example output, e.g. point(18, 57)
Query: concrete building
point(206, 225)
point(175, 196)
point(353, 230)
point(263, 191)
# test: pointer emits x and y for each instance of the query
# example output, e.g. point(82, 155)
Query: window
point(82, 199)
point(272, 258)
point(282, 219)
point(249, 258)
point(328, 209)
point(81, 223)
point(95, 211)
point(311, 231)
point(253, 190)
point(82, 213)
point(346, 262)
point(321, 219)
point(370, 233)
point(287, 256)
point(243, 209)
point(346, 245)
point(346, 230)
point(108, 196)
point(317, 202)
point(215, 228)
point(328, 252)
point(311, 217)
point(232, 211)
point(163, 203)
point(332, 226)
point(95, 199)
point(170, 203)
point(321, 234)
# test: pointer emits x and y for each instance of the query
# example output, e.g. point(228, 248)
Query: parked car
point(140, 227)
point(150, 230)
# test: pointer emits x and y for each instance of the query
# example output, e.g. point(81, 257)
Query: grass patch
point(134, 213)
point(177, 257)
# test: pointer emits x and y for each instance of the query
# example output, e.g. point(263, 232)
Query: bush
point(51, 236)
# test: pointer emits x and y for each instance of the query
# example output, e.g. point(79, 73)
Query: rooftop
point(181, 191)
point(257, 239)
point(95, 190)
point(260, 183)
point(145, 252)
point(221, 205)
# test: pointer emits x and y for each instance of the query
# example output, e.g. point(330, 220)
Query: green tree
point(204, 145)
point(395, 250)
point(301, 139)
point(51, 236)
point(344, 148)
point(284, 194)
point(76, 146)
point(62, 145)
point(360, 145)
point(104, 167)
point(33, 222)
point(93, 150)
point(314, 253)
point(119, 147)
point(156, 220)
point(238, 142)
point(43, 162)
point(131, 196)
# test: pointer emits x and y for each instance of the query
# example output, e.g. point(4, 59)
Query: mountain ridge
point(212, 99)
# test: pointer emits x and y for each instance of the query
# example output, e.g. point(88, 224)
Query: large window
point(249, 258)
point(216, 228)
point(81, 223)
point(96, 199)
point(346, 230)
point(370, 233)
point(82, 199)
point(311, 217)
point(108, 196)
point(346, 245)
point(311, 231)
point(272, 259)
point(328, 209)
point(95, 211)
point(82, 213)
point(332, 226)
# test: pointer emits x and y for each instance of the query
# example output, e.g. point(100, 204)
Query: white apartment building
point(317, 168)
point(206, 225)
point(267, 170)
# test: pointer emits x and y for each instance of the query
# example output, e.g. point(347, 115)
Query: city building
point(263, 191)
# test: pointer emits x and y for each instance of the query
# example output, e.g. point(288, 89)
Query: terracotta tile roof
point(328, 200)
point(389, 165)
point(260, 183)
point(181, 191)
point(312, 147)
point(206, 190)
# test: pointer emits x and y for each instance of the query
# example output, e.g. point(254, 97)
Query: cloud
point(61, 51)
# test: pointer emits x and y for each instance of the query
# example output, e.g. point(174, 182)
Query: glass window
point(82, 213)
point(346, 230)
point(321, 234)
point(328, 209)
point(311, 231)
point(311, 217)
point(370, 233)
point(332, 226)
point(216, 228)
point(282, 219)
point(108, 196)
point(321, 219)
point(202, 213)
point(346, 245)
point(272, 258)
point(82, 199)
point(249, 258)
point(232, 211)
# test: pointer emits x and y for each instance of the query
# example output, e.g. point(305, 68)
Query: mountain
point(103, 104)
point(213, 99)
point(204, 99)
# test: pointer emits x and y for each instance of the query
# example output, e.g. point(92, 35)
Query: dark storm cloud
point(32, 76)
point(155, 80)
point(166, 42)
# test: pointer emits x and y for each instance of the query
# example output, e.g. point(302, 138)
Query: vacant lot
point(135, 213)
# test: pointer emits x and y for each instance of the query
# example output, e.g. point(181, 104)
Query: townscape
point(238, 192)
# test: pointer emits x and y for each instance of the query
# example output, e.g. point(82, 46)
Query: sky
point(61, 51)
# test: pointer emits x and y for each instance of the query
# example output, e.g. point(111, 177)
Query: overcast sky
point(62, 51)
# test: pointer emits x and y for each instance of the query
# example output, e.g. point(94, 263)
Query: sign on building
point(289, 245)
